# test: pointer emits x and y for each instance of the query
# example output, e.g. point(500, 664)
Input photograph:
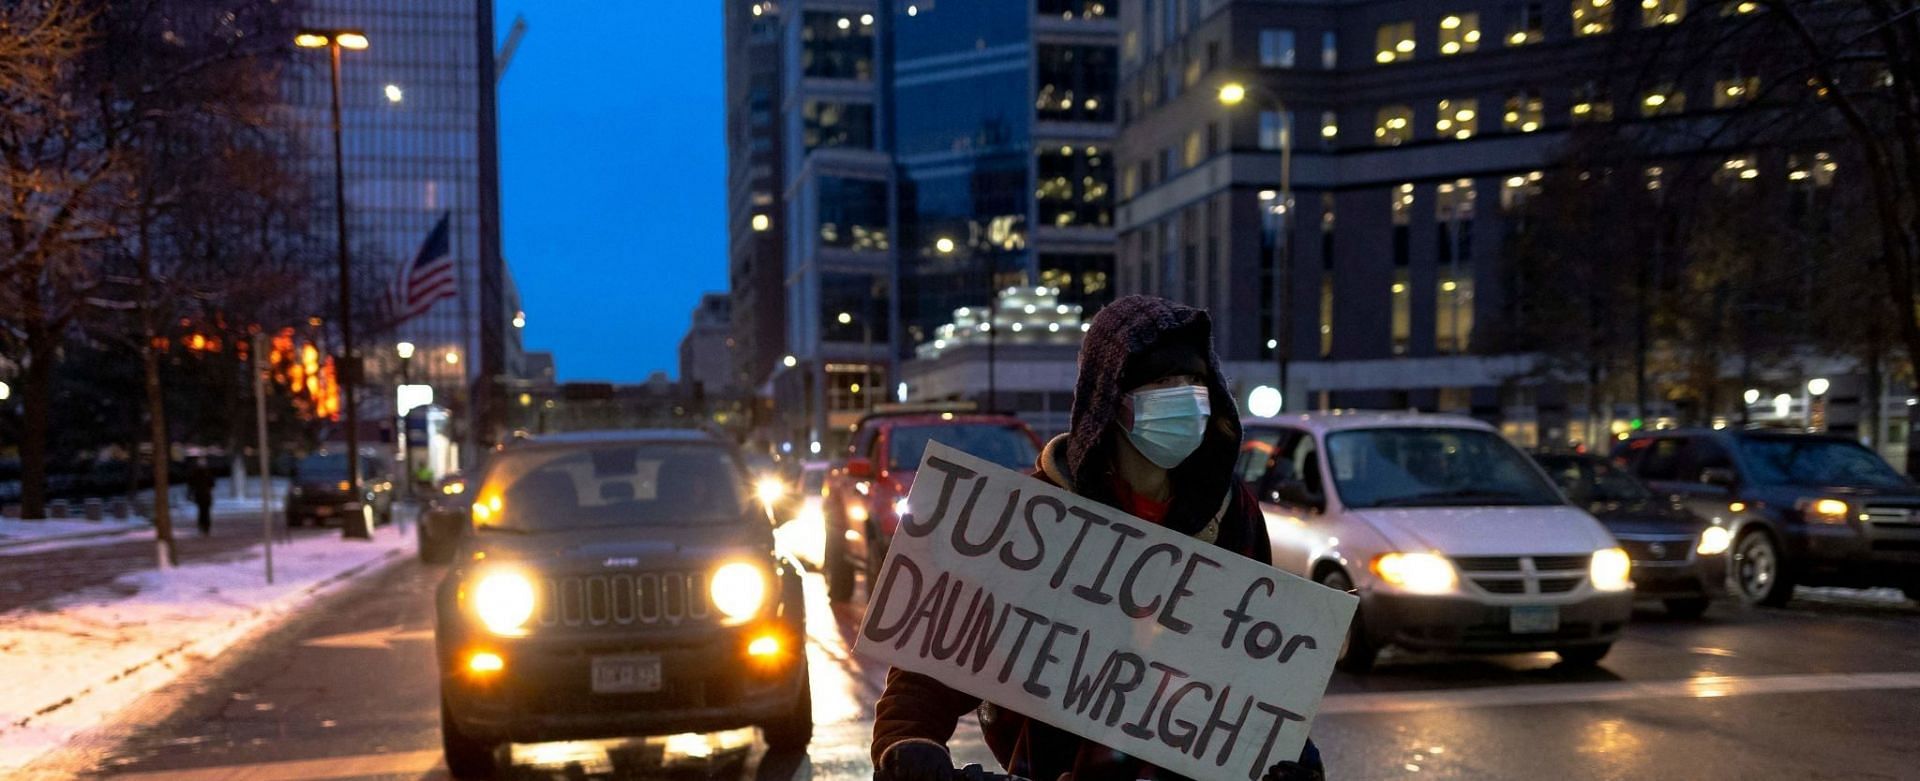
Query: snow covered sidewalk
point(69, 666)
point(15, 532)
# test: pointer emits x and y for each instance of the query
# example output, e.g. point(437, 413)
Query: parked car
point(444, 518)
point(1678, 557)
point(320, 492)
point(617, 584)
point(865, 497)
point(1453, 539)
point(1805, 509)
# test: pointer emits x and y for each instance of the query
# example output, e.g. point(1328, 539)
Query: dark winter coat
point(1208, 504)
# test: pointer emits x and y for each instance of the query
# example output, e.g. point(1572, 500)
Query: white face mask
point(1169, 423)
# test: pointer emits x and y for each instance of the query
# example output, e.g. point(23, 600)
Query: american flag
point(429, 278)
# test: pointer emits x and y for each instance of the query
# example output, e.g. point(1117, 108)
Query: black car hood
point(1648, 517)
point(625, 546)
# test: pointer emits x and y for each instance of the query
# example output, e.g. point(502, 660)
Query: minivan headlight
point(1611, 570)
point(1823, 510)
point(504, 601)
point(1715, 540)
point(738, 589)
point(1420, 573)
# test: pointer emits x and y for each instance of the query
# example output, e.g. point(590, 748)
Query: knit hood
point(1081, 459)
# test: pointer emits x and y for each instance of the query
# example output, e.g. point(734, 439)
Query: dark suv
point(865, 496)
point(617, 584)
point(1805, 509)
point(320, 492)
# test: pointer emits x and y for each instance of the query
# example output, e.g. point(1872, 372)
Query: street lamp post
point(405, 351)
point(1232, 94)
point(334, 41)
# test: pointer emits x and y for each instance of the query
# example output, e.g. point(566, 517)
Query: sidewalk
point(16, 533)
point(73, 662)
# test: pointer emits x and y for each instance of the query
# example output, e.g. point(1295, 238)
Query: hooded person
point(1154, 433)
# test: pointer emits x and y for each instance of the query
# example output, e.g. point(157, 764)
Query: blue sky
point(613, 178)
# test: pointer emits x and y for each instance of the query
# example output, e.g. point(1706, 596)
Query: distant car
point(1453, 539)
point(865, 498)
point(1805, 508)
point(321, 493)
point(1678, 557)
point(617, 584)
point(444, 518)
point(802, 523)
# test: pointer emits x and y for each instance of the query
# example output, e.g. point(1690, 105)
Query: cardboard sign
point(1169, 649)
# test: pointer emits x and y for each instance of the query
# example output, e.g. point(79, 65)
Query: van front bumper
point(1462, 624)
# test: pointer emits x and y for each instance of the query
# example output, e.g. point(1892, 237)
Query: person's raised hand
point(1293, 771)
point(915, 760)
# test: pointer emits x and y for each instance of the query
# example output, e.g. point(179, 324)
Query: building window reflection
point(836, 45)
point(827, 123)
point(1393, 42)
point(853, 213)
point(1525, 112)
point(1075, 83)
point(1393, 125)
point(1075, 186)
point(1592, 17)
point(1459, 33)
point(1458, 117)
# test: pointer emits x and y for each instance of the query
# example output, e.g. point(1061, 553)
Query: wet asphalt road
point(1827, 688)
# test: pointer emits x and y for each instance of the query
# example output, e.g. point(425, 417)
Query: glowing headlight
point(1420, 573)
point(738, 589)
point(900, 507)
point(453, 488)
point(1611, 570)
point(1823, 510)
point(504, 601)
point(770, 489)
point(1716, 539)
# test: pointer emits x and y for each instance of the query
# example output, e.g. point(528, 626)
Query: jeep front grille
point(623, 600)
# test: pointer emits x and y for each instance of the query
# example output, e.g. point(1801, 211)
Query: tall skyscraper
point(755, 189)
point(418, 124)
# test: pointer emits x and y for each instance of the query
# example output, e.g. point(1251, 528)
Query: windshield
point(1433, 467)
point(1005, 445)
point(1812, 461)
point(1592, 480)
point(323, 466)
point(613, 485)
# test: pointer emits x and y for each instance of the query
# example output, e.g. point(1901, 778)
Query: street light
point(334, 41)
point(1232, 94)
point(405, 351)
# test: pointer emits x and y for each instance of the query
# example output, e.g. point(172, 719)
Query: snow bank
point(70, 665)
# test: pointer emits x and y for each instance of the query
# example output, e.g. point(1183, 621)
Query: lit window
point(1739, 9)
point(1459, 33)
point(1591, 104)
point(1737, 170)
point(1403, 204)
point(1402, 312)
point(1517, 188)
point(1326, 314)
point(1816, 169)
point(1329, 50)
point(1527, 27)
point(1525, 113)
point(1654, 177)
point(1453, 312)
point(1458, 118)
point(1073, 186)
point(1276, 129)
point(762, 222)
point(1592, 17)
point(1393, 126)
point(1393, 42)
point(394, 93)
point(1276, 48)
point(1735, 90)
point(1190, 154)
point(1329, 127)
point(1654, 13)
point(1663, 100)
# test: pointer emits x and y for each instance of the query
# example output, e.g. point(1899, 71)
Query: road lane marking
point(375, 639)
point(404, 762)
point(1566, 693)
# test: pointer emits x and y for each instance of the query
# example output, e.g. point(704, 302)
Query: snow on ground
point(22, 537)
point(17, 532)
point(90, 654)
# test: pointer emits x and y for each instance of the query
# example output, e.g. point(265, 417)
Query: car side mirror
point(1294, 492)
point(859, 468)
point(1718, 476)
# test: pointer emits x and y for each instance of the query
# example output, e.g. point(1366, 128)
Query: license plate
point(323, 511)
point(626, 674)
point(1534, 620)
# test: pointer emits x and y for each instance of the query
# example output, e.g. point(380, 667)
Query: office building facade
point(756, 187)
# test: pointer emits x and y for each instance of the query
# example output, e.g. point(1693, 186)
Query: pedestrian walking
point(1154, 432)
point(200, 489)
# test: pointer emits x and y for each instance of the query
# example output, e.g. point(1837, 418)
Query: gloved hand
point(915, 760)
point(1293, 771)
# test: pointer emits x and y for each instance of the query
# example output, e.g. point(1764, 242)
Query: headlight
point(1716, 539)
point(1823, 510)
point(1611, 570)
point(770, 489)
point(900, 507)
point(738, 589)
point(504, 601)
point(453, 488)
point(1420, 573)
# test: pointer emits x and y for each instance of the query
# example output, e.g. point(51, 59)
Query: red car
point(865, 496)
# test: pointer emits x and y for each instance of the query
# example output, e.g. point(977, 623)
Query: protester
point(1154, 433)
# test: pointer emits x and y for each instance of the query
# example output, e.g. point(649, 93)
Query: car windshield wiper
point(1458, 496)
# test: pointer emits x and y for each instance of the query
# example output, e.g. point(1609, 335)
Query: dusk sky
point(613, 166)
